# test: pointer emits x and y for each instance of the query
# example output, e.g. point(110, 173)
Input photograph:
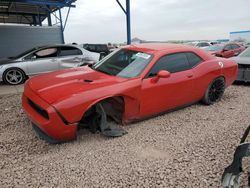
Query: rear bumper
point(52, 127)
point(243, 74)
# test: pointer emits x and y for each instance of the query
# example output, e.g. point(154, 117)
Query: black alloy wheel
point(214, 91)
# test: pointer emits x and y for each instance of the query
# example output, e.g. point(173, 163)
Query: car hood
point(242, 60)
point(6, 61)
point(56, 86)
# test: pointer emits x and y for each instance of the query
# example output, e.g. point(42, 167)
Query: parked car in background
point(243, 60)
point(15, 70)
point(229, 50)
point(247, 44)
point(214, 42)
point(199, 44)
point(132, 83)
point(213, 48)
point(102, 49)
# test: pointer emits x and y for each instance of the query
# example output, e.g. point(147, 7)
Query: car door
point(69, 57)
point(42, 61)
point(167, 93)
point(228, 51)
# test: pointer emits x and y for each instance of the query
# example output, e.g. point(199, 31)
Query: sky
point(102, 21)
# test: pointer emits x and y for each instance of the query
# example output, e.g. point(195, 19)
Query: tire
point(214, 91)
point(14, 76)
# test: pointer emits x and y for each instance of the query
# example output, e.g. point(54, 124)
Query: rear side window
point(193, 59)
point(91, 48)
point(101, 48)
point(67, 51)
point(172, 63)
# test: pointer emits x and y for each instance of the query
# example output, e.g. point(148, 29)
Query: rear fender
point(229, 71)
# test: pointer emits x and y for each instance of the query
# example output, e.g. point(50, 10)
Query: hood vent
point(88, 81)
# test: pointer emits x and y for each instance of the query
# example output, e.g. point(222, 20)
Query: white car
point(15, 70)
point(199, 44)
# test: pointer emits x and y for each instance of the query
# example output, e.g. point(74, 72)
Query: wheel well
point(114, 108)
point(221, 77)
point(15, 68)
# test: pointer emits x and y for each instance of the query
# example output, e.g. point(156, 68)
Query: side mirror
point(161, 74)
point(224, 50)
point(32, 57)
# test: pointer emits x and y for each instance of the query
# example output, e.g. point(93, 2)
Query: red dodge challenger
point(130, 84)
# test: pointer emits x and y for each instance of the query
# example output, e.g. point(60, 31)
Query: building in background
point(240, 36)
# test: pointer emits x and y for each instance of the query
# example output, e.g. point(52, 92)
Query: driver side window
point(172, 63)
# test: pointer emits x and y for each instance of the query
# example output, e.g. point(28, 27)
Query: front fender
point(73, 108)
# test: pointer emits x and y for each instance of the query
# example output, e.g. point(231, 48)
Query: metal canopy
point(34, 12)
point(127, 13)
point(30, 11)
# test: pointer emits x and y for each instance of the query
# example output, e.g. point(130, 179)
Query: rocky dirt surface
point(186, 148)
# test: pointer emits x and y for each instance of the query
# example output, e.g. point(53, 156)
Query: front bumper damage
point(52, 127)
point(43, 135)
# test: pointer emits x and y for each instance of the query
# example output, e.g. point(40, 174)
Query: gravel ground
point(186, 148)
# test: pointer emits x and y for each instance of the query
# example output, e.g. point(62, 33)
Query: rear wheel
point(214, 91)
point(14, 76)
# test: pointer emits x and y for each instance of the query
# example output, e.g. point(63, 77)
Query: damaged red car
point(130, 84)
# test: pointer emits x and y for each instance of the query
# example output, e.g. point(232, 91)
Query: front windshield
point(245, 53)
point(213, 48)
point(124, 63)
point(23, 54)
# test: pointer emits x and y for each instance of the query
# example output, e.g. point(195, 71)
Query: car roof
point(233, 43)
point(95, 44)
point(156, 47)
point(57, 45)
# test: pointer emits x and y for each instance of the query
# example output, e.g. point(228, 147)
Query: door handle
point(190, 76)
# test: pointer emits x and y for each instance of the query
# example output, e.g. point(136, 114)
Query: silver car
point(15, 70)
point(243, 60)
